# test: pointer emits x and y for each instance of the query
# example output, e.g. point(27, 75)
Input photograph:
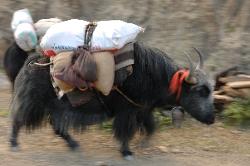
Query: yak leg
point(16, 126)
point(69, 140)
point(73, 145)
point(149, 126)
point(124, 127)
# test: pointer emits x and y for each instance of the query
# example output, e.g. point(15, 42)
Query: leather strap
point(88, 34)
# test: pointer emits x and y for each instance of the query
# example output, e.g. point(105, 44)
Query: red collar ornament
point(176, 82)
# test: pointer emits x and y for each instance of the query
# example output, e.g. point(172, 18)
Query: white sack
point(68, 35)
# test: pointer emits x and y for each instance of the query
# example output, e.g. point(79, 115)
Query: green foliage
point(238, 113)
point(4, 113)
point(161, 120)
point(107, 125)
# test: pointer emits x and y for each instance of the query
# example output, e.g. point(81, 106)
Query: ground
point(194, 144)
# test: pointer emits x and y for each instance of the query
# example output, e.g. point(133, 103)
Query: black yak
point(156, 81)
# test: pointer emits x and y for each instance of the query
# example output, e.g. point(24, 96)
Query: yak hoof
point(128, 158)
point(74, 146)
point(14, 149)
point(75, 149)
point(127, 155)
point(14, 145)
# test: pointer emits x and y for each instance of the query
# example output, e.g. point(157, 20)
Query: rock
point(209, 148)
point(236, 132)
point(100, 163)
point(163, 149)
point(176, 151)
point(128, 158)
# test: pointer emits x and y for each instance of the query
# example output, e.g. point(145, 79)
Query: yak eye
point(203, 91)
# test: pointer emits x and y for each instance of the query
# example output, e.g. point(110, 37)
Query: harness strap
point(97, 94)
point(90, 28)
point(127, 98)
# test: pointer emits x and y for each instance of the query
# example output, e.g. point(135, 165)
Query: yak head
point(196, 94)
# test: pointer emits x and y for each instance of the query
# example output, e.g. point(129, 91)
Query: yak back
point(152, 72)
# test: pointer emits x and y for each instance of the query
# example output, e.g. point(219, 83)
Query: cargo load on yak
point(79, 68)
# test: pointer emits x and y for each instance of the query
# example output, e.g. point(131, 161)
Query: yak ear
point(191, 79)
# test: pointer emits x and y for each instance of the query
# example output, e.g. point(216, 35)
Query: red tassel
point(176, 82)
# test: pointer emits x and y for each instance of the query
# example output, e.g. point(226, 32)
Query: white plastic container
point(25, 36)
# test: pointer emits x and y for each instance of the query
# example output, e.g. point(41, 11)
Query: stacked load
point(80, 64)
point(231, 84)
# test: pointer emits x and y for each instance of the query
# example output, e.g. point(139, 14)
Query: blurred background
point(219, 28)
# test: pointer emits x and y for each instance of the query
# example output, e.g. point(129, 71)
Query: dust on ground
point(194, 144)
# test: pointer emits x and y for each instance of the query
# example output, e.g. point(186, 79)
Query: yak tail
point(13, 61)
point(31, 93)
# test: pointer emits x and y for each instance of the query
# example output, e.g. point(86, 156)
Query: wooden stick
point(218, 92)
point(244, 75)
point(232, 92)
point(223, 99)
point(245, 92)
point(239, 84)
point(234, 78)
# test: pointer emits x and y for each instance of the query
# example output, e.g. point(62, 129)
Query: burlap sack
point(41, 26)
point(60, 61)
point(105, 71)
point(84, 65)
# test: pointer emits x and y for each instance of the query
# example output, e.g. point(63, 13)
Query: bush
point(238, 113)
point(162, 121)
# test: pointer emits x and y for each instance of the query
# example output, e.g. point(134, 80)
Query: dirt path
point(192, 145)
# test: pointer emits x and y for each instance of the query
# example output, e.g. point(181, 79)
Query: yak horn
point(201, 60)
point(190, 79)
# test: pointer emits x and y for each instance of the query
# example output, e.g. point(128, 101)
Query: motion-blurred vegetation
point(162, 121)
point(238, 113)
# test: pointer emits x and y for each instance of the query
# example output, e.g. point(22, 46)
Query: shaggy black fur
point(35, 100)
point(14, 59)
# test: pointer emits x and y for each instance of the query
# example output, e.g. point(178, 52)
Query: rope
point(127, 98)
point(43, 64)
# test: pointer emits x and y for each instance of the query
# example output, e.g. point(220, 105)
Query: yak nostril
point(210, 119)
